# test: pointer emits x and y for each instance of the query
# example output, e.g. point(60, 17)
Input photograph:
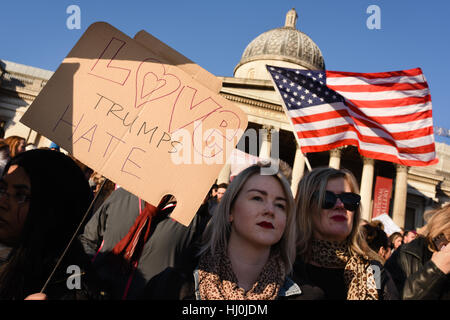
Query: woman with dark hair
point(43, 196)
point(377, 239)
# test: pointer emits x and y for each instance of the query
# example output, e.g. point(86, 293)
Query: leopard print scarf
point(217, 280)
point(358, 275)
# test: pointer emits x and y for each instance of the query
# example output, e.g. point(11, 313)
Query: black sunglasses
point(349, 199)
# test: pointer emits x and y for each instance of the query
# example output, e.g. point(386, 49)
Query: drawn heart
point(153, 83)
point(150, 84)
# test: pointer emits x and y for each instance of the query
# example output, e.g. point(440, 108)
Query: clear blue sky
point(214, 34)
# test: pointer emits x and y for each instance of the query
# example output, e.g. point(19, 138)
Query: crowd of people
point(249, 240)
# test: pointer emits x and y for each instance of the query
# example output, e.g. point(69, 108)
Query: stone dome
point(285, 44)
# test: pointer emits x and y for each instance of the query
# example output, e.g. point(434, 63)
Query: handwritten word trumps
point(124, 110)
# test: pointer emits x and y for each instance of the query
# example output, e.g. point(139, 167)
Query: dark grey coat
point(171, 245)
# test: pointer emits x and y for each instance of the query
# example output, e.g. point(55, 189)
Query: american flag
point(387, 115)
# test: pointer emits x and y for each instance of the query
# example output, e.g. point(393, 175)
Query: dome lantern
point(291, 19)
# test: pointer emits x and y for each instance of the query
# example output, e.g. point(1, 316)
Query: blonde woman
point(421, 267)
point(16, 145)
point(332, 252)
point(249, 245)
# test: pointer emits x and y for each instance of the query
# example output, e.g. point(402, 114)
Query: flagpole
point(308, 165)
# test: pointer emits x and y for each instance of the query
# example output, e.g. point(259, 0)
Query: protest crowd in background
point(248, 240)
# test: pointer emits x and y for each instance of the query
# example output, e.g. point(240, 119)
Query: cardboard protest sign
point(137, 119)
point(239, 161)
point(389, 225)
point(168, 55)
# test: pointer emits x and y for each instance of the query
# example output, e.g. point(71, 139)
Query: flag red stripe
point(379, 87)
point(376, 75)
point(363, 121)
point(403, 118)
point(320, 116)
point(391, 103)
point(377, 122)
point(391, 158)
point(332, 145)
point(368, 154)
point(422, 132)
point(367, 139)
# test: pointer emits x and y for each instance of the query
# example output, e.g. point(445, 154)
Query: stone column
point(335, 158)
point(32, 136)
point(297, 170)
point(366, 188)
point(224, 175)
point(401, 191)
point(265, 134)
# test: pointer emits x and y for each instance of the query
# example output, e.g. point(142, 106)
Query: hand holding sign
point(118, 107)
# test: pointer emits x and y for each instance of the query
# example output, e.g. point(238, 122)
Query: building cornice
point(425, 177)
point(247, 83)
point(18, 94)
point(301, 62)
point(264, 105)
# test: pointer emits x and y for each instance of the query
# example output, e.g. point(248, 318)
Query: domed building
point(412, 190)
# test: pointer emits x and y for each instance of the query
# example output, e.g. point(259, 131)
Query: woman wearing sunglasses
point(332, 253)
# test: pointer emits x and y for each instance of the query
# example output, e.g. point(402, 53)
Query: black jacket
point(386, 287)
point(171, 244)
point(415, 275)
point(75, 279)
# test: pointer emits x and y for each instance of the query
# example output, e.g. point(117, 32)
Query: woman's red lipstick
point(266, 225)
point(339, 218)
